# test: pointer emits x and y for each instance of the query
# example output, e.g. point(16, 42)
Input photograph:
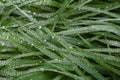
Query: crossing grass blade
point(59, 40)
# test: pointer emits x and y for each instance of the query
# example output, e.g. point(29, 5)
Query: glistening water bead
point(39, 27)
point(42, 69)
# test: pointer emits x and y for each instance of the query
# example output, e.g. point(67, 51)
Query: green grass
point(59, 40)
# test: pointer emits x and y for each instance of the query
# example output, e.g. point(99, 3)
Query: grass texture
point(59, 39)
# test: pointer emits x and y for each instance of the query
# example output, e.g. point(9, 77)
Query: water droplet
point(45, 40)
point(7, 37)
point(29, 11)
point(14, 25)
point(65, 50)
point(34, 13)
point(53, 49)
point(78, 42)
point(59, 60)
point(64, 58)
point(39, 27)
point(44, 48)
point(70, 47)
point(21, 41)
point(2, 43)
point(106, 7)
point(14, 37)
point(32, 44)
point(42, 69)
point(56, 59)
point(3, 27)
point(53, 37)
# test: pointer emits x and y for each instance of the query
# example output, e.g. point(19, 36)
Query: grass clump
point(59, 40)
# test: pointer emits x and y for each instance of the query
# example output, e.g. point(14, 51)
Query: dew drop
point(53, 49)
point(59, 60)
point(32, 44)
point(44, 48)
point(14, 25)
point(56, 59)
point(14, 37)
point(78, 42)
point(39, 27)
point(7, 37)
point(42, 69)
point(70, 47)
point(53, 37)
point(2, 43)
point(65, 50)
point(3, 27)
point(45, 40)
point(29, 11)
point(34, 13)
point(21, 41)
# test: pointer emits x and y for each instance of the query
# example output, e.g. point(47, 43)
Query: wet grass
point(59, 40)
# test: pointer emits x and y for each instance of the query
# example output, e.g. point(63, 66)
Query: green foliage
point(59, 40)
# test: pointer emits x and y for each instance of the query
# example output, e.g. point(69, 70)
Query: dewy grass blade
point(82, 63)
point(25, 14)
point(59, 40)
point(91, 29)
